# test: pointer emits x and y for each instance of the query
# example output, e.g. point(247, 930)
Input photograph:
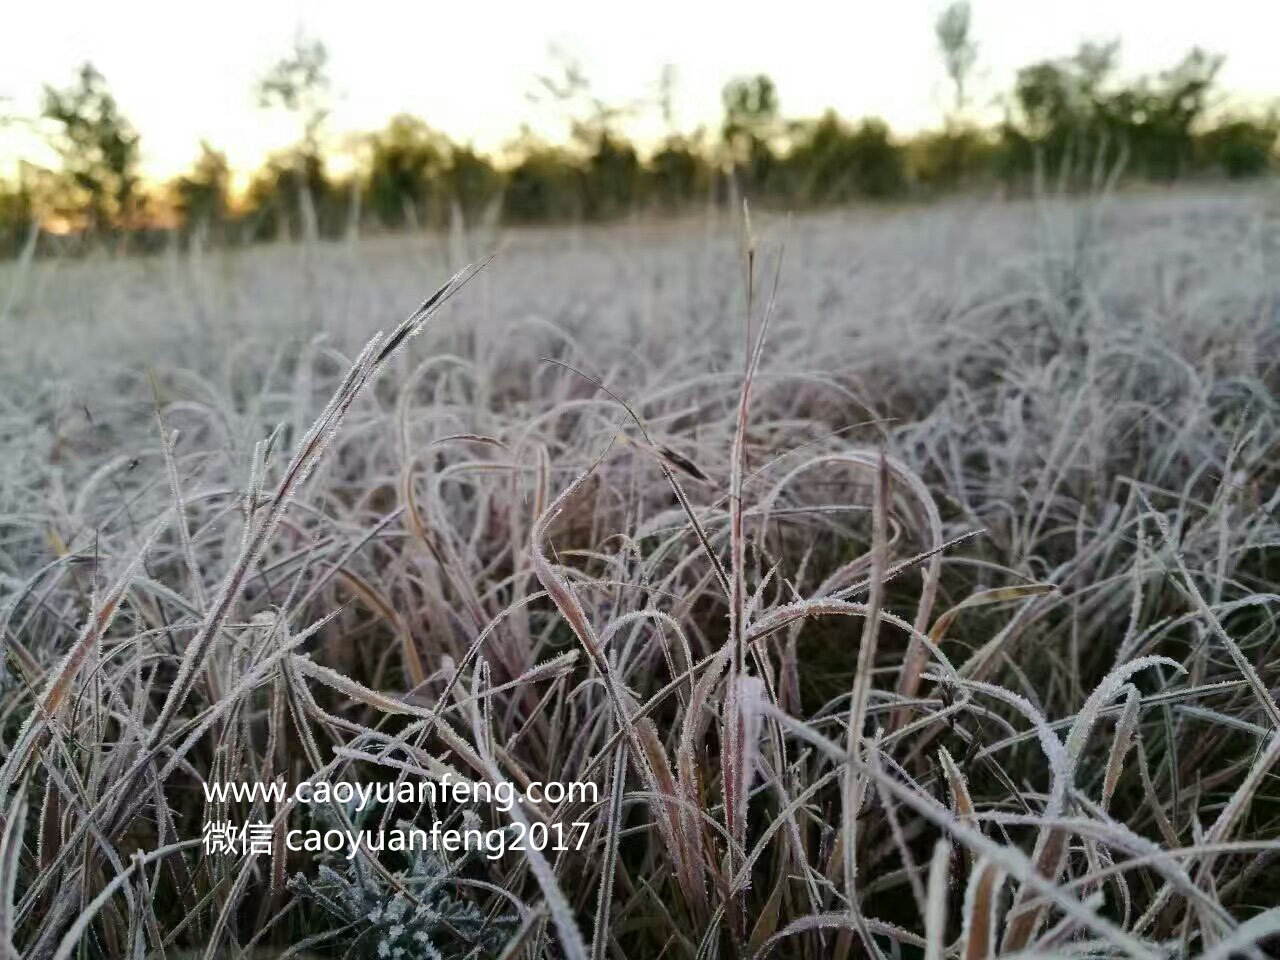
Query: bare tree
point(959, 50)
point(299, 83)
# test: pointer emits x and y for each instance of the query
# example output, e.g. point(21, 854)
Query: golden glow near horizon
point(184, 72)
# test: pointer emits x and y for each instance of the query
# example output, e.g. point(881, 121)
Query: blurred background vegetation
point(1070, 123)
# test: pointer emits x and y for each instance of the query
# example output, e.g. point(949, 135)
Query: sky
point(184, 72)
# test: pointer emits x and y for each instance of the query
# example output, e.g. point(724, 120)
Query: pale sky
point(184, 71)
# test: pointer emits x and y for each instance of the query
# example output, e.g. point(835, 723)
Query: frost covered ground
point(1002, 499)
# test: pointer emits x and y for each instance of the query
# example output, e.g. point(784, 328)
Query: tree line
point(1072, 119)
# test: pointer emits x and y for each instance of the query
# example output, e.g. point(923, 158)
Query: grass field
point(905, 581)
